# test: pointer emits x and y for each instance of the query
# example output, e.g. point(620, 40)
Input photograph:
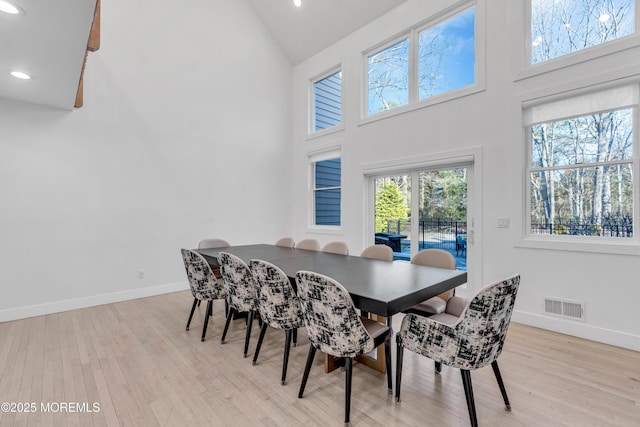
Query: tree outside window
point(443, 61)
point(581, 175)
point(560, 27)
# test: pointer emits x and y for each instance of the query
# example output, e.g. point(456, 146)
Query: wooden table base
point(378, 363)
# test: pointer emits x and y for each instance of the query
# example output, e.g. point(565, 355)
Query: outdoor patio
point(448, 245)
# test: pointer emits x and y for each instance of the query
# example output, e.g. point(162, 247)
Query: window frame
point(528, 70)
point(327, 153)
point(311, 132)
point(411, 34)
point(614, 245)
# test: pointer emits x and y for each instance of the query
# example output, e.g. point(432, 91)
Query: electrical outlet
point(504, 222)
point(141, 274)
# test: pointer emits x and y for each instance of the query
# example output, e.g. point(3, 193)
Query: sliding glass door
point(421, 209)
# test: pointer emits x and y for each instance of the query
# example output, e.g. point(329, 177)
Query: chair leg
point(295, 337)
point(438, 367)
point(307, 368)
point(468, 393)
point(399, 356)
point(263, 330)
point(496, 371)
point(287, 347)
point(248, 336)
point(206, 318)
point(196, 302)
point(348, 362)
point(226, 325)
point(387, 355)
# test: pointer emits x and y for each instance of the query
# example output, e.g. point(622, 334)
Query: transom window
point(446, 55)
point(581, 168)
point(443, 61)
point(327, 102)
point(561, 27)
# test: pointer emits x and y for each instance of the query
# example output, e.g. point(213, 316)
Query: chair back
point(213, 243)
point(238, 280)
point(308, 244)
point(203, 283)
point(484, 323)
point(339, 248)
point(382, 252)
point(286, 242)
point(278, 304)
point(333, 325)
point(436, 258)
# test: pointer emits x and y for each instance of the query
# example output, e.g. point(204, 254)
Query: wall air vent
point(564, 308)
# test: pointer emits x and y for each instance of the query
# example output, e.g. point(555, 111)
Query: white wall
point(490, 121)
point(178, 140)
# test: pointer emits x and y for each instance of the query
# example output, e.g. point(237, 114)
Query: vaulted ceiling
point(48, 39)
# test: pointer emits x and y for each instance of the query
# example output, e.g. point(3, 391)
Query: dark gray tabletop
point(379, 287)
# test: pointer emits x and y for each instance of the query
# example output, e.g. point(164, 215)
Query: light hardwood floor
point(136, 361)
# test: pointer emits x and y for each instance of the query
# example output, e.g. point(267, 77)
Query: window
point(560, 27)
point(582, 170)
point(443, 61)
point(446, 55)
point(327, 191)
point(327, 102)
point(388, 72)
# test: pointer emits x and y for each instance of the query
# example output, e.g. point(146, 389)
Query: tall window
point(581, 167)
point(327, 182)
point(327, 102)
point(443, 61)
point(560, 27)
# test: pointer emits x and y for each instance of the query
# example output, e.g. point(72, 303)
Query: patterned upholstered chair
point(473, 341)
point(203, 283)
point(241, 292)
point(278, 306)
point(308, 244)
point(382, 252)
point(336, 247)
point(334, 327)
point(213, 244)
point(285, 242)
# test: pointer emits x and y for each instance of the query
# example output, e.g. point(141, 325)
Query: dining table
point(381, 288)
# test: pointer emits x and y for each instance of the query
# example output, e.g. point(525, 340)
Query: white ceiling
point(317, 24)
point(49, 39)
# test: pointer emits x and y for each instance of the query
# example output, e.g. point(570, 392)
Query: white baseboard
point(579, 329)
point(91, 301)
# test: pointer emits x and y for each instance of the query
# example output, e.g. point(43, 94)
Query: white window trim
point(320, 153)
point(412, 35)
point(311, 132)
point(607, 245)
point(522, 39)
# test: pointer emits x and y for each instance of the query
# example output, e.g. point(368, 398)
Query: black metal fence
point(608, 227)
point(439, 233)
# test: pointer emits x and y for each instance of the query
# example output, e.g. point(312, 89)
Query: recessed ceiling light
point(298, 3)
point(7, 7)
point(21, 75)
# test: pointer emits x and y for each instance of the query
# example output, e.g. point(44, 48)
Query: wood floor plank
point(136, 361)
